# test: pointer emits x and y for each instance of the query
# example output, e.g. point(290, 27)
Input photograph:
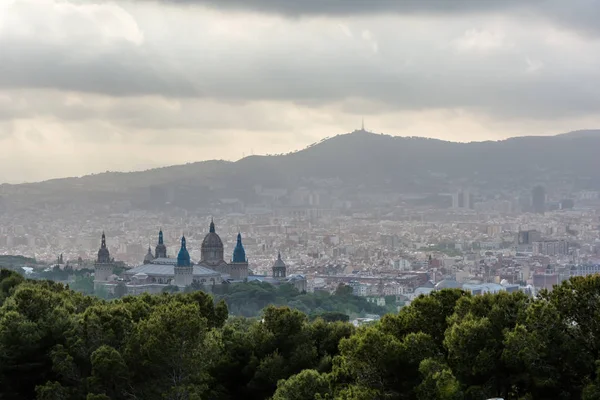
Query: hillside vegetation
point(59, 344)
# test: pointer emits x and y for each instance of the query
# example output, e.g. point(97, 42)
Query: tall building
point(538, 199)
point(103, 268)
point(528, 237)
point(463, 199)
point(551, 248)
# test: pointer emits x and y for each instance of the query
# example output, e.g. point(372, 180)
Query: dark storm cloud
point(354, 7)
point(580, 15)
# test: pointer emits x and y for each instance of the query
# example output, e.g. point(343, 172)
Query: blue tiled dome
point(183, 258)
point(239, 254)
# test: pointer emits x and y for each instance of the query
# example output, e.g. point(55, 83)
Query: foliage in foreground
point(59, 344)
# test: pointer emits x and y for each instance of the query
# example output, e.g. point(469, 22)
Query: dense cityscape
point(380, 244)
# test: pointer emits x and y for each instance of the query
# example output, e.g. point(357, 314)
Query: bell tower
point(103, 266)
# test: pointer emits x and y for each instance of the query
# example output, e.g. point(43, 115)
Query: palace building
point(159, 270)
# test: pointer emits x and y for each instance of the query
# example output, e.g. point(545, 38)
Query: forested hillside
point(59, 344)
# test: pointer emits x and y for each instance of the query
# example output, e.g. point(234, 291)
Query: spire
point(160, 237)
point(183, 258)
point(212, 226)
point(103, 244)
point(279, 255)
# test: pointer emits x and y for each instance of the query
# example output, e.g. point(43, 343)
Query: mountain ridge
point(577, 134)
point(360, 159)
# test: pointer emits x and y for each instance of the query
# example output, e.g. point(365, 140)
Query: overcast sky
point(88, 86)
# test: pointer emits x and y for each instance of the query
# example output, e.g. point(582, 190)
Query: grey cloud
point(353, 7)
point(408, 72)
point(119, 72)
point(580, 15)
point(315, 83)
point(150, 113)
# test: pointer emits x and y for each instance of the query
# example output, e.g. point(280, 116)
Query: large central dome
point(212, 247)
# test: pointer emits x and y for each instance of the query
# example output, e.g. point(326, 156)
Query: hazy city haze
point(91, 86)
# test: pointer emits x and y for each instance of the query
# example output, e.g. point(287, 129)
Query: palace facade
point(159, 270)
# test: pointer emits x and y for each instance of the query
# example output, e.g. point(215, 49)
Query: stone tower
point(161, 249)
point(184, 271)
point(103, 268)
point(239, 262)
point(279, 268)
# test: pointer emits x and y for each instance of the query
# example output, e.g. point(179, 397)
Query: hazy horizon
point(92, 86)
point(252, 153)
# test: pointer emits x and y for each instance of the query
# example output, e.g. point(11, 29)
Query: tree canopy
point(249, 299)
point(56, 343)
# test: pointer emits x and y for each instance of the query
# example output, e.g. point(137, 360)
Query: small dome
point(183, 258)
point(279, 263)
point(103, 255)
point(149, 257)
